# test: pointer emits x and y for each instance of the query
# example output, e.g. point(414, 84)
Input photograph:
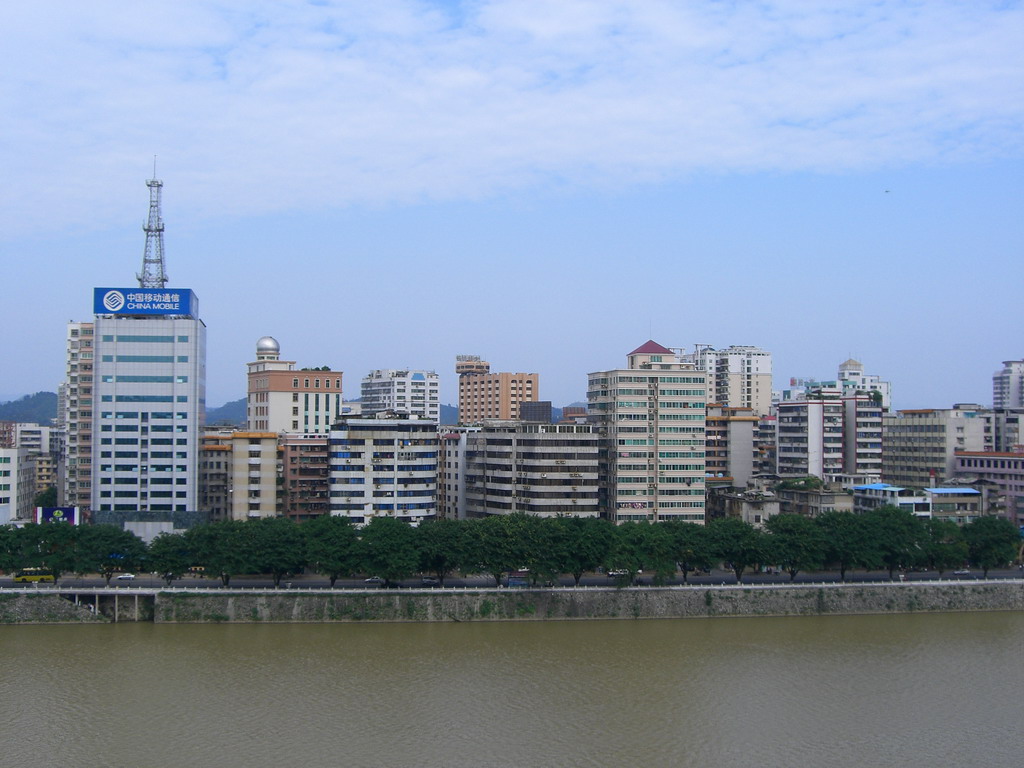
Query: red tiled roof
point(651, 348)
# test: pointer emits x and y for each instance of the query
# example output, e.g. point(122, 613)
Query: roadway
point(715, 577)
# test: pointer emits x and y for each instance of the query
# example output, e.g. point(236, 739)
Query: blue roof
point(418, 377)
point(877, 487)
point(958, 491)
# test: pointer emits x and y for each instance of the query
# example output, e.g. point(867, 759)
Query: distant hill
point(40, 408)
point(230, 414)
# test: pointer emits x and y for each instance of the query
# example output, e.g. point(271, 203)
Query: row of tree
point(886, 538)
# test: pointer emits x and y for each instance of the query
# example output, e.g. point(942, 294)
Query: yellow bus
point(33, 574)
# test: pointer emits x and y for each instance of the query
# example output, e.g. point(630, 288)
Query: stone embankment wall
point(590, 603)
point(45, 609)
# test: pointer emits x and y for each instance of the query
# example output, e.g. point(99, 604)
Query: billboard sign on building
point(145, 301)
point(57, 515)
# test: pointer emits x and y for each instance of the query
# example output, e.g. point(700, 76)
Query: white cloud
point(261, 107)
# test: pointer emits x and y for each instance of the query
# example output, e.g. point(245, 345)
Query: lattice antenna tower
point(154, 272)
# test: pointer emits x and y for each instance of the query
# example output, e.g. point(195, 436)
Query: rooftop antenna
point(154, 273)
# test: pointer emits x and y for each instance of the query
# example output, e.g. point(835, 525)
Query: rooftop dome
point(268, 346)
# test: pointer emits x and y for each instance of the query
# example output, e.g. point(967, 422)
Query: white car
point(962, 572)
point(125, 576)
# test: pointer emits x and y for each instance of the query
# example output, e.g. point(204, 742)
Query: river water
point(914, 690)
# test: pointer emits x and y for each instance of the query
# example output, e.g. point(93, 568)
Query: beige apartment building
point(282, 399)
point(238, 474)
point(737, 376)
point(486, 395)
point(75, 417)
point(654, 415)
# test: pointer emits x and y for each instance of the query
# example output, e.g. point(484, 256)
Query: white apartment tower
point(1008, 385)
point(402, 391)
point(654, 413)
point(383, 467)
point(280, 398)
point(737, 377)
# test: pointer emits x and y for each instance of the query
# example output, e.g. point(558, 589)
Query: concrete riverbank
point(455, 605)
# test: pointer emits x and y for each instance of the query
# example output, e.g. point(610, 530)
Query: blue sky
point(545, 184)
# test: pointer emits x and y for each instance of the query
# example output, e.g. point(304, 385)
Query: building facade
point(485, 395)
point(304, 476)
point(402, 391)
point(239, 474)
point(653, 413)
point(919, 446)
point(384, 467)
point(74, 417)
point(1003, 469)
point(283, 399)
point(731, 445)
point(149, 406)
point(536, 469)
point(1008, 385)
point(737, 376)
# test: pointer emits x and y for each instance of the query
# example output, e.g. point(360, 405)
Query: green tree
point(388, 549)
point(332, 546)
point(222, 548)
point(278, 546)
point(796, 544)
point(442, 547)
point(943, 544)
point(992, 542)
point(898, 536)
point(691, 546)
point(737, 543)
point(9, 556)
point(106, 550)
point(169, 556)
point(46, 497)
point(582, 544)
point(50, 546)
point(495, 545)
point(848, 542)
point(631, 550)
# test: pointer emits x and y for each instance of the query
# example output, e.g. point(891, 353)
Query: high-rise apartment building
point(737, 376)
point(731, 453)
point(809, 439)
point(653, 413)
point(485, 395)
point(533, 468)
point(1008, 385)
point(17, 484)
point(74, 418)
point(283, 399)
point(402, 391)
point(304, 477)
point(829, 433)
point(239, 474)
point(384, 467)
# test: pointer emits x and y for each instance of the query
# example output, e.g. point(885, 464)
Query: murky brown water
point(937, 690)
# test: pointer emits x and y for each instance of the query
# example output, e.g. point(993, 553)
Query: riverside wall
point(46, 608)
point(586, 603)
point(207, 606)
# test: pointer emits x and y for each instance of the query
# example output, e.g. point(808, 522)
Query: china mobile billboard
point(144, 301)
point(57, 515)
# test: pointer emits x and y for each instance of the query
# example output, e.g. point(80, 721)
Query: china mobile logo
point(113, 300)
